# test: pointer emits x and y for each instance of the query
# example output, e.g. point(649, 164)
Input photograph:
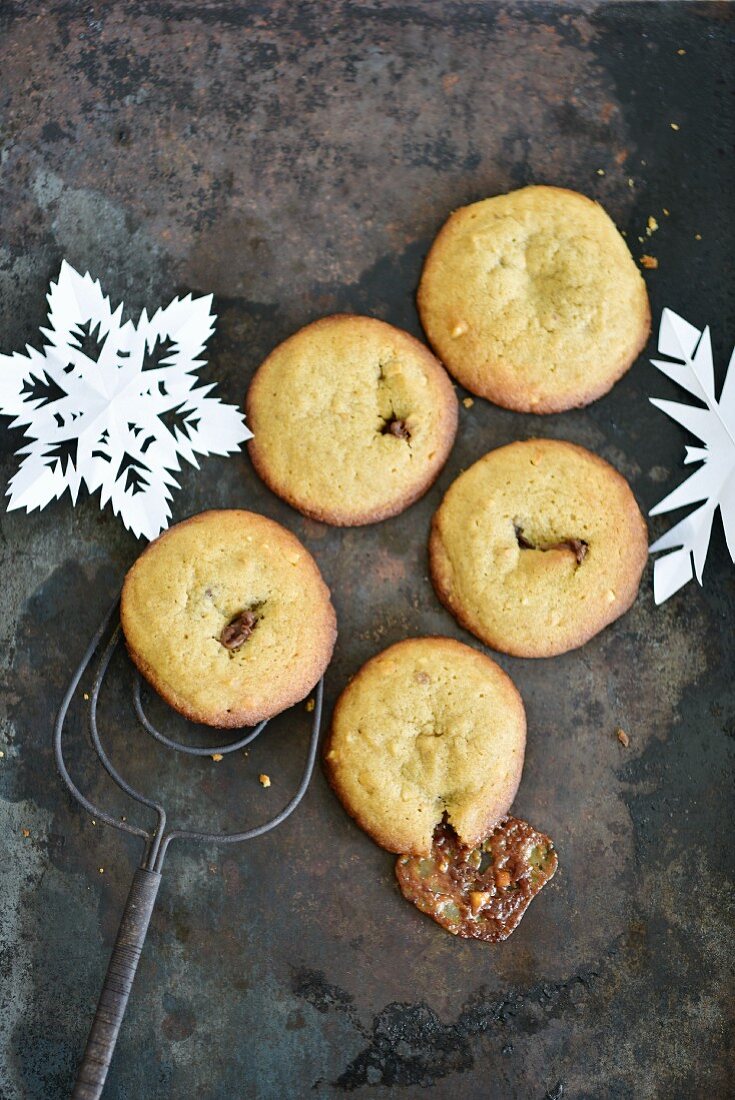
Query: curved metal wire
point(193, 750)
point(158, 840)
point(96, 811)
point(250, 834)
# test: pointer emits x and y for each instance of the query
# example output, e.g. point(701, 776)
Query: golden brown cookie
point(426, 728)
point(537, 547)
point(352, 420)
point(533, 300)
point(227, 616)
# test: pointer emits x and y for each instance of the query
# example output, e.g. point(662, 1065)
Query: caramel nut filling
point(398, 428)
point(479, 893)
point(578, 546)
point(238, 630)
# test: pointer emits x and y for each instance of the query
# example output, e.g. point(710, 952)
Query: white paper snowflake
point(714, 482)
point(114, 406)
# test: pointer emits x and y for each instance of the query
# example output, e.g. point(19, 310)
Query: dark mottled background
point(297, 159)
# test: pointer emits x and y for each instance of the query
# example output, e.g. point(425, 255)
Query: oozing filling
point(238, 630)
point(577, 546)
point(479, 893)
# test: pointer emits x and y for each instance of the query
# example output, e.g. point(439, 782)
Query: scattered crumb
point(622, 737)
point(264, 780)
point(2, 754)
point(600, 171)
point(649, 262)
point(123, 817)
point(697, 236)
point(310, 705)
point(467, 402)
point(674, 125)
point(101, 870)
point(213, 868)
point(245, 752)
point(665, 211)
point(652, 225)
point(217, 756)
point(681, 52)
point(93, 821)
point(641, 239)
point(86, 696)
point(26, 832)
point(630, 182)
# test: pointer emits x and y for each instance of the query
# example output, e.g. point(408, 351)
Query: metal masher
point(131, 934)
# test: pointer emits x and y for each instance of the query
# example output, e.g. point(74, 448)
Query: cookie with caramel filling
point(227, 616)
point(538, 547)
point(352, 420)
point(427, 728)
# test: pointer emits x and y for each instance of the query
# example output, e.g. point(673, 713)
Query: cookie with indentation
point(427, 728)
point(537, 547)
point(533, 300)
point(352, 420)
point(227, 616)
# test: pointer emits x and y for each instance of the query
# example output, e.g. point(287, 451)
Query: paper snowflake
point(114, 406)
point(713, 422)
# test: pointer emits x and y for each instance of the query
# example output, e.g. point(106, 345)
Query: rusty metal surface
point(296, 160)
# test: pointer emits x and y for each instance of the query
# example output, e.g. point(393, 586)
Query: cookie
point(227, 616)
point(352, 419)
point(537, 547)
point(427, 728)
point(533, 300)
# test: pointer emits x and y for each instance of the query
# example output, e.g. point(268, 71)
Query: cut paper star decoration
point(713, 484)
point(114, 406)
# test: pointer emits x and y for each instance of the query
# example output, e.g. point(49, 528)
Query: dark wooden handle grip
point(116, 990)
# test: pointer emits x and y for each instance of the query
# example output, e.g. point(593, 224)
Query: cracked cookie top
point(227, 616)
point(537, 547)
point(352, 420)
point(428, 730)
point(533, 300)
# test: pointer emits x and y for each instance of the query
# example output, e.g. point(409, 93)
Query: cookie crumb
point(650, 262)
point(622, 737)
point(697, 236)
point(310, 705)
point(264, 780)
point(459, 329)
point(681, 52)
point(86, 696)
point(2, 754)
point(26, 832)
point(674, 125)
point(600, 171)
point(216, 756)
point(467, 402)
point(101, 870)
point(665, 211)
point(652, 225)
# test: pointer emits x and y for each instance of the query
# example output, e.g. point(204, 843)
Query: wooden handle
point(118, 982)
